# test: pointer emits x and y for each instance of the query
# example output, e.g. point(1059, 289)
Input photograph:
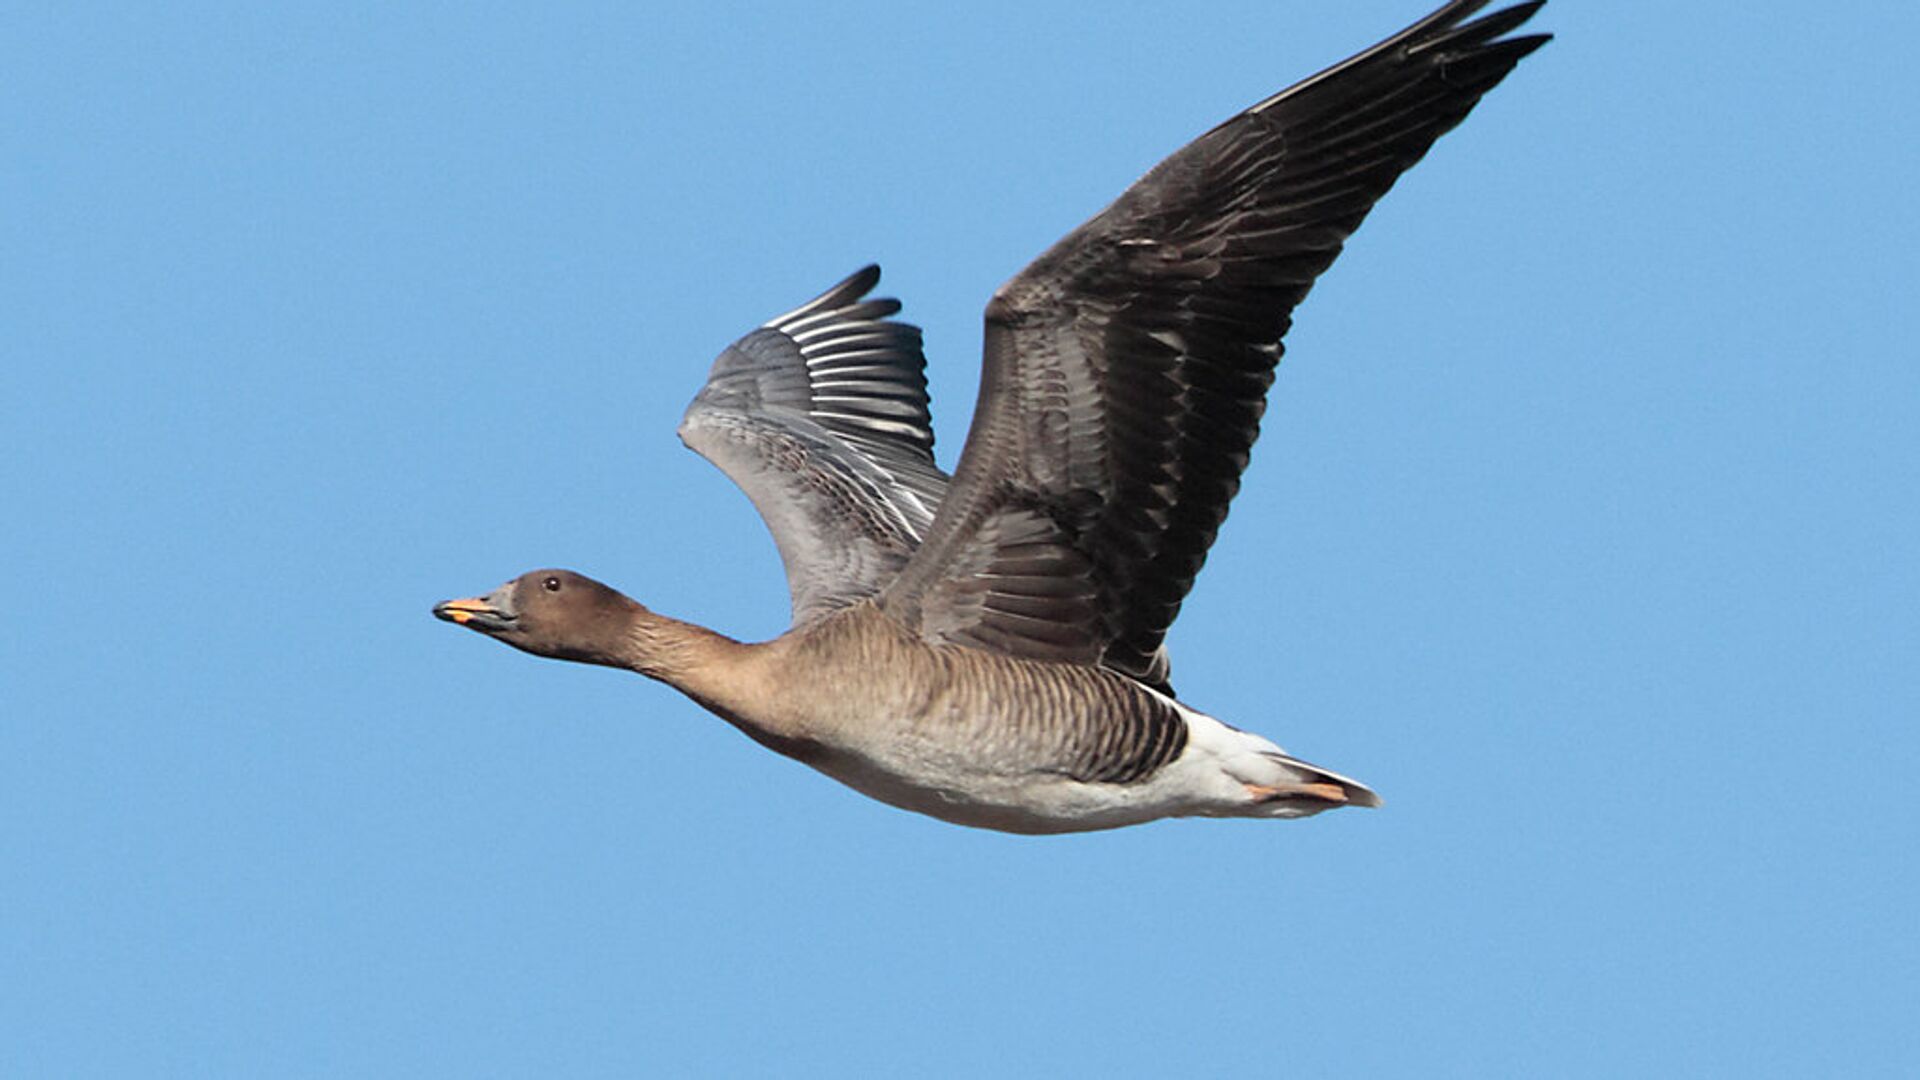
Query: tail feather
point(1309, 789)
point(1275, 783)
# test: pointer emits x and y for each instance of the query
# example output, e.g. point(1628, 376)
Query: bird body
point(981, 738)
point(989, 647)
point(955, 732)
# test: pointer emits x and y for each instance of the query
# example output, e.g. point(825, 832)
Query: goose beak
point(475, 613)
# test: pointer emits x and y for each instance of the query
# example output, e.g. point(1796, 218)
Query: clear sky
point(1584, 529)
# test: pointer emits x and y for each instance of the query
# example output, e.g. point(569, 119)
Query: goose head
point(554, 613)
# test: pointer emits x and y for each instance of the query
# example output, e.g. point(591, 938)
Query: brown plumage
point(989, 648)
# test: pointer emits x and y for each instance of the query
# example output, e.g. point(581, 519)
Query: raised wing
point(1126, 369)
point(820, 416)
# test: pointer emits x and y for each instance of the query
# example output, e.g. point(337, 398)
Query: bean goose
point(987, 647)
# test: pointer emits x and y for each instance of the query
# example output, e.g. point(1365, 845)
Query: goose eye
point(551, 584)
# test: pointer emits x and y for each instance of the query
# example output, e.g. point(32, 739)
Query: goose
point(988, 647)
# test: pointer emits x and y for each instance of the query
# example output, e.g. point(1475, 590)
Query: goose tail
point(1258, 779)
point(1302, 788)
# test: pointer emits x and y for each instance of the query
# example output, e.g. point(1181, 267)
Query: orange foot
point(1328, 792)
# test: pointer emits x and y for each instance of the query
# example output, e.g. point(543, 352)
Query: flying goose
point(988, 647)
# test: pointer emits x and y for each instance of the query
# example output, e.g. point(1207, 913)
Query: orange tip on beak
point(461, 611)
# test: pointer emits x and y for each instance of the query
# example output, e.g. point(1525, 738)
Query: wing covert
point(1126, 369)
point(820, 416)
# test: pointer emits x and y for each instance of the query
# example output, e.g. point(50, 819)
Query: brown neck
point(712, 669)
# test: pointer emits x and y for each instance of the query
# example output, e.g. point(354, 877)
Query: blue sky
point(1583, 529)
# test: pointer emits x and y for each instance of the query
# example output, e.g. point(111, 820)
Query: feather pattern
point(990, 649)
point(1126, 369)
point(820, 416)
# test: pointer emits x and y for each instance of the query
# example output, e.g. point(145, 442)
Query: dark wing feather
point(1126, 369)
point(820, 416)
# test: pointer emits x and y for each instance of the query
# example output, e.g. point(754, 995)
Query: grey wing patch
point(820, 416)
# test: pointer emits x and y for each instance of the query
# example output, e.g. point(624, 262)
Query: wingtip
point(1441, 32)
point(849, 289)
point(1453, 37)
point(863, 280)
point(1506, 20)
point(846, 291)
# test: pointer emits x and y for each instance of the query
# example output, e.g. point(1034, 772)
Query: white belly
point(958, 783)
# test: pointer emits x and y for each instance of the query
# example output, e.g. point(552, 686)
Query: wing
point(1126, 369)
point(820, 416)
